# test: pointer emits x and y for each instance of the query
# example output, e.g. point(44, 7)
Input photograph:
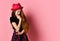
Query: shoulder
point(12, 19)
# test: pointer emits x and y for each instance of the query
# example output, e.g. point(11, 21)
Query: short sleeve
point(12, 19)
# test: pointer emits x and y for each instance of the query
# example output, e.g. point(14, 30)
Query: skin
point(18, 26)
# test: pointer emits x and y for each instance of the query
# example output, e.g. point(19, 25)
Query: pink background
point(43, 17)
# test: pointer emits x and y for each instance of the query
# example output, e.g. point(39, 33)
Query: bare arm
point(19, 23)
point(20, 33)
point(16, 26)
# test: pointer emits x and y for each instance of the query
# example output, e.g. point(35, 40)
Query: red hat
point(16, 6)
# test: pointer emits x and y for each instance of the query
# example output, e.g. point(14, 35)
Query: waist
point(17, 32)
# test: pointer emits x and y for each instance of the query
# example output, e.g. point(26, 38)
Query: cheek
point(18, 12)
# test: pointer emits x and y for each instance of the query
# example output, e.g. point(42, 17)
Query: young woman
point(19, 23)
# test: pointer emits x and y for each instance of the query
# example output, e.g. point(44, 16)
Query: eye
point(18, 11)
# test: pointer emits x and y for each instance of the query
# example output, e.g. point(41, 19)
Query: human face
point(17, 12)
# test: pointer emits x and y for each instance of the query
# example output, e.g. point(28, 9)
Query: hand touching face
point(17, 12)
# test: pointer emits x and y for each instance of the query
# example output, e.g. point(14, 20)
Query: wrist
point(17, 30)
point(20, 19)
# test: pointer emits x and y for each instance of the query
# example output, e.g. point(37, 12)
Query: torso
point(14, 19)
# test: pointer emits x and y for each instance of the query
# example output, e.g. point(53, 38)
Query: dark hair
point(13, 14)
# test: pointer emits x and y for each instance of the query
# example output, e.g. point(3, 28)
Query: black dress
point(15, 37)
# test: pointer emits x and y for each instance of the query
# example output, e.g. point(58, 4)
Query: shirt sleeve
point(12, 19)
